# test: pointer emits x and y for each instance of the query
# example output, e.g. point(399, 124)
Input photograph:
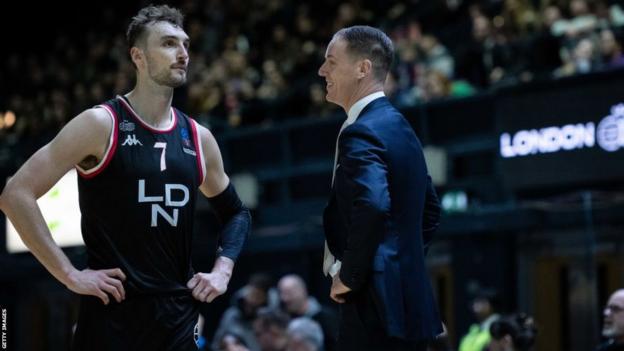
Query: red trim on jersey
point(198, 152)
point(143, 123)
point(111, 152)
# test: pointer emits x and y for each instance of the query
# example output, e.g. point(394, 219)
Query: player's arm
point(234, 216)
point(84, 136)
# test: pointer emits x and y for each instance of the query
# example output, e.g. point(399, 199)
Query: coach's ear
point(365, 68)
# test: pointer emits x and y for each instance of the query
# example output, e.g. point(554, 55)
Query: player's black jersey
point(138, 203)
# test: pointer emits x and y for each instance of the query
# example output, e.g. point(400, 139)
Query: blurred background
point(517, 102)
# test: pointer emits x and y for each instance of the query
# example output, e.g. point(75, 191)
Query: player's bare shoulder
point(209, 143)
point(215, 180)
point(97, 118)
point(92, 130)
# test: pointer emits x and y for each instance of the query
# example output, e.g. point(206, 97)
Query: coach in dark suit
point(382, 210)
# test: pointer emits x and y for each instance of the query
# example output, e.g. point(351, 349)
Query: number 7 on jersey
point(163, 146)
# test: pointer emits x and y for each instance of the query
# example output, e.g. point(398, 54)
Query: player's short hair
point(369, 43)
point(148, 15)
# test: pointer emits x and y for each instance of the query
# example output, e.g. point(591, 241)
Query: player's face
point(166, 54)
point(340, 72)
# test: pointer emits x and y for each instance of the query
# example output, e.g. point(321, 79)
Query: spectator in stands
point(231, 341)
point(613, 323)
point(610, 49)
point(297, 303)
point(542, 47)
point(484, 306)
point(583, 59)
point(240, 316)
point(304, 334)
point(520, 16)
point(489, 58)
point(513, 333)
point(436, 56)
point(270, 329)
point(435, 85)
point(582, 21)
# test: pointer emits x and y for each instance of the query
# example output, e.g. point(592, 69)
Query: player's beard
point(166, 76)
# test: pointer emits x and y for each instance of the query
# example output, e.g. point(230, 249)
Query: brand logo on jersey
point(186, 140)
point(126, 126)
point(189, 151)
point(171, 191)
point(131, 140)
point(196, 334)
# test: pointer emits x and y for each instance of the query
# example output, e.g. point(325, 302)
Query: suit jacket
point(381, 215)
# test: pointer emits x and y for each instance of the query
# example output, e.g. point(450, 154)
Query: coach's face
point(340, 71)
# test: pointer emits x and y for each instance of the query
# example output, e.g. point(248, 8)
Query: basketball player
point(140, 162)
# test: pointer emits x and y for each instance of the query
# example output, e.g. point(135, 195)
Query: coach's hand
point(207, 286)
point(98, 283)
point(338, 289)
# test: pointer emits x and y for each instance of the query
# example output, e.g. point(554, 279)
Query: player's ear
point(137, 55)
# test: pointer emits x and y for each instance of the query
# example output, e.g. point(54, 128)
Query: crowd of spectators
point(283, 318)
point(256, 62)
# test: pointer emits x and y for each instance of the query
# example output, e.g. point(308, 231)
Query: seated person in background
point(304, 334)
point(296, 302)
point(513, 333)
point(270, 329)
point(484, 308)
point(231, 342)
point(613, 324)
point(247, 301)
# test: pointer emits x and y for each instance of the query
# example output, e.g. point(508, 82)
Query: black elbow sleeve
point(226, 204)
point(236, 221)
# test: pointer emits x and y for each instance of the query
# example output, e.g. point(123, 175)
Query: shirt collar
point(355, 110)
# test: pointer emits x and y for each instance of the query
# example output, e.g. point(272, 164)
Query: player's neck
point(153, 104)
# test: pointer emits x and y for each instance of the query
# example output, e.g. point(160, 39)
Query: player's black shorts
point(155, 323)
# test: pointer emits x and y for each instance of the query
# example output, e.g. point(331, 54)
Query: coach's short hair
point(148, 15)
point(369, 43)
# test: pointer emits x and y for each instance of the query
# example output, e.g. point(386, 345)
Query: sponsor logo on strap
point(126, 126)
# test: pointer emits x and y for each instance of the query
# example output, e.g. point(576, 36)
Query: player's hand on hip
point(207, 286)
point(99, 283)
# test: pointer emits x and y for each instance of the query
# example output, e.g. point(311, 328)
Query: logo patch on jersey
point(196, 334)
point(126, 126)
point(189, 151)
point(131, 140)
point(178, 191)
point(186, 140)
